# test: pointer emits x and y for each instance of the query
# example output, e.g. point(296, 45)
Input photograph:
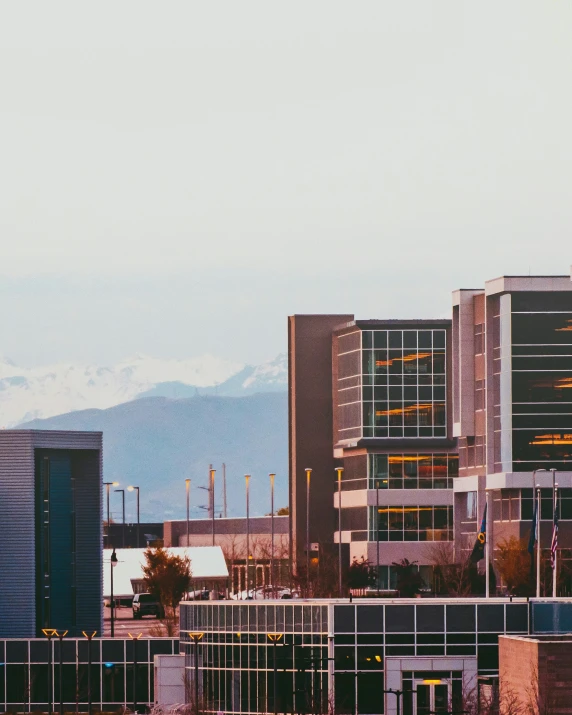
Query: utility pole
point(224, 490)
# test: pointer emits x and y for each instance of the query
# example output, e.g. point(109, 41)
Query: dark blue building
point(51, 521)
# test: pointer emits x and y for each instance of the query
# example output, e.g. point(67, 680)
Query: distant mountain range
point(41, 392)
point(158, 442)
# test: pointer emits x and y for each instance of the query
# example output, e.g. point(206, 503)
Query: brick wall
point(535, 675)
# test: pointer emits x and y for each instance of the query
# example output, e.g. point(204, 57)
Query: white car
point(264, 592)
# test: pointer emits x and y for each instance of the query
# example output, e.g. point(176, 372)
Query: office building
point(50, 511)
point(392, 434)
point(512, 405)
point(372, 397)
point(27, 667)
point(324, 656)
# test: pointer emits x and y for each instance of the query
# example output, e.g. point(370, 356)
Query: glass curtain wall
point(404, 383)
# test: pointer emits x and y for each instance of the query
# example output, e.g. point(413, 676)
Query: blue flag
point(478, 552)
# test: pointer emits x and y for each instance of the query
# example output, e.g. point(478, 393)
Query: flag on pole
point(478, 552)
point(554, 542)
point(533, 538)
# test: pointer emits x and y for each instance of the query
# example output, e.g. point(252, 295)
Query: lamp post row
point(130, 488)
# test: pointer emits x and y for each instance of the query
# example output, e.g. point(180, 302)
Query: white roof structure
point(207, 564)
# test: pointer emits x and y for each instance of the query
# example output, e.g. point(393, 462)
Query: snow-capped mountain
point(40, 392)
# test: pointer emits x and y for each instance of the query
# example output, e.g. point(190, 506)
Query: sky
point(177, 178)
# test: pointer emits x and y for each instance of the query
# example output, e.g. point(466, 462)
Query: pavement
point(148, 626)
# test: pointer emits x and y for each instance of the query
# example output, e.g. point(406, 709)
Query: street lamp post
point(272, 579)
point(247, 480)
point(274, 638)
point(195, 637)
point(340, 470)
point(113, 562)
point(50, 633)
point(135, 640)
point(61, 636)
point(188, 494)
point(107, 487)
point(122, 492)
point(212, 486)
point(132, 489)
point(308, 477)
point(89, 636)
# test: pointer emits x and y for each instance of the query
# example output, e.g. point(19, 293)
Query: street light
point(339, 471)
point(274, 638)
point(122, 492)
point(247, 480)
point(308, 476)
point(61, 636)
point(195, 637)
point(132, 489)
point(188, 490)
point(50, 633)
point(212, 488)
point(107, 486)
point(113, 562)
point(89, 636)
point(272, 579)
point(135, 639)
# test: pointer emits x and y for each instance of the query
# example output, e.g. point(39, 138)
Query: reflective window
point(411, 523)
point(542, 382)
point(412, 471)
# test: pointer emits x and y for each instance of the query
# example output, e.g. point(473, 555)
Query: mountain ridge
point(52, 390)
point(157, 442)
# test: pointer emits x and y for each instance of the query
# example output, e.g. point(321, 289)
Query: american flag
point(554, 542)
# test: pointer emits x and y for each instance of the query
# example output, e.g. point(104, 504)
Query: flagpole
point(487, 556)
point(555, 534)
point(538, 551)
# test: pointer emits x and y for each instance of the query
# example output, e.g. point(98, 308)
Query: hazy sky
point(176, 178)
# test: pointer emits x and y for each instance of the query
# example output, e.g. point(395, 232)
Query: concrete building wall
point(311, 427)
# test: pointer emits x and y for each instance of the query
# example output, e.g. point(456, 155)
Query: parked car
point(145, 604)
point(264, 592)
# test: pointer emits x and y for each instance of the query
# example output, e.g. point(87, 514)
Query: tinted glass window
point(344, 619)
point(491, 618)
point(430, 618)
point(461, 618)
point(399, 619)
point(516, 617)
point(370, 619)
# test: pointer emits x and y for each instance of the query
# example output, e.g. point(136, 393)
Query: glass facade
point(244, 669)
point(404, 385)
point(412, 471)
point(325, 644)
point(411, 523)
point(392, 383)
point(24, 675)
point(541, 327)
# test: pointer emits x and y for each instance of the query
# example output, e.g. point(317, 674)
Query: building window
point(471, 510)
point(404, 383)
point(412, 471)
point(541, 332)
point(411, 523)
point(479, 339)
point(479, 395)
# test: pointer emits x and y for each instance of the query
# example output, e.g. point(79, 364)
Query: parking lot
point(149, 626)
